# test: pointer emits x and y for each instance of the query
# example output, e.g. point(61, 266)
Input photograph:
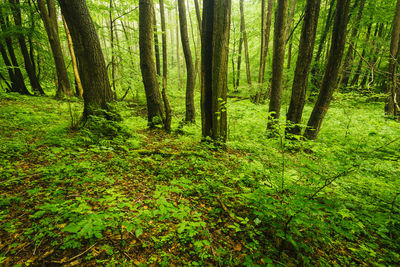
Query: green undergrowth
point(115, 193)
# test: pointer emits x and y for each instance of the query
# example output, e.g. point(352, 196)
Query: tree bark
point(356, 76)
point(392, 90)
point(155, 109)
point(315, 71)
point(29, 66)
point(349, 58)
point(156, 45)
point(167, 106)
point(49, 17)
point(214, 65)
point(278, 61)
point(306, 49)
point(92, 70)
point(190, 71)
point(197, 7)
point(246, 45)
point(265, 32)
point(332, 69)
point(73, 59)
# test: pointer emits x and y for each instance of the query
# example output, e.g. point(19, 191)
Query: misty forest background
point(186, 132)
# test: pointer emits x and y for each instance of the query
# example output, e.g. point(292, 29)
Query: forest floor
point(115, 193)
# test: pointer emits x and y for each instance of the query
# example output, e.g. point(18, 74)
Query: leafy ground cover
point(116, 193)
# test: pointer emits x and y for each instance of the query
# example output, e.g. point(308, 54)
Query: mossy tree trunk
point(214, 66)
point(49, 17)
point(245, 42)
point(331, 71)
point(190, 70)
point(167, 106)
point(392, 91)
point(92, 70)
point(155, 109)
point(306, 48)
point(278, 61)
point(29, 66)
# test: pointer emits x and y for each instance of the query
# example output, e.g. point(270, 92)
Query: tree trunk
point(239, 58)
point(49, 17)
point(392, 90)
point(92, 70)
point(315, 71)
point(73, 59)
point(246, 45)
point(357, 73)
point(278, 61)
point(306, 49)
point(214, 66)
point(178, 59)
point(168, 112)
point(197, 7)
point(155, 109)
point(191, 73)
point(349, 58)
point(332, 69)
point(30, 69)
point(265, 32)
point(19, 79)
point(113, 65)
point(156, 46)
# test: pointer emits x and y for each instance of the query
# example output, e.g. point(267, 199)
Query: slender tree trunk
point(246, 45)
point(49, 17)
point(156, 45)
point(392, 90)
point(167, 106)
point(239, 58)
point(178, 59)
point(278, 61)
point(12, 87)
point(265, 32)
point(349, 58)
point(74, 61)
point(306, 49)
point(197, 7)
point(19, 79)
point(332, 70)
point(357, 73)
point(191, 73)
point(155, 109)
point(92, 69)
point(315, 71)
point(15, 5)
point(291, 16)
point(214, 65)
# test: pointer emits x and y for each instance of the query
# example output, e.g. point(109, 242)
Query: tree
point(265, 32)
point(156, 45)
point(349, 58)
point(49, 17)
point(78, 81)
point(304, 59)
point(392, 91)
point(155, 109)
point(190, 71)
point(13, 69)
point(29, 66)
point(168, 112)
point(331, 71)
point(277, 61)
point(214, 66)
point(92, 70)
point(246, 45)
